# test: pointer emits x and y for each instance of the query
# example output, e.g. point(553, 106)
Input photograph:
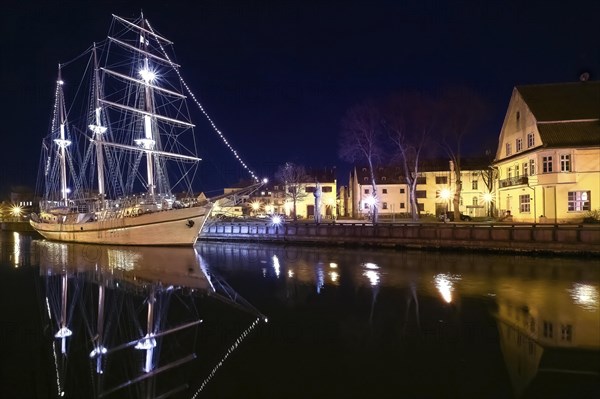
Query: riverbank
point(522, 238)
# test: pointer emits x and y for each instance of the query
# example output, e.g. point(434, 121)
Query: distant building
point(548, 155)
point(434, 176)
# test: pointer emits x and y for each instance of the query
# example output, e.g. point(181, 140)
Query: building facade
point(436, 184)
point(548, 156)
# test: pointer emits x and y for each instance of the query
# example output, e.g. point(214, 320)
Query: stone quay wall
point(535, 238)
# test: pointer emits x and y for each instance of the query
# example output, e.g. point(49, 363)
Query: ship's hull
point(173, 227)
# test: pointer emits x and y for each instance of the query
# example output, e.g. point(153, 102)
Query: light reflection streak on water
point(16, 249)
point(585, 295)
point(445, 285)
point(371, 273)
point(320, 277)
point(334, 276)
point(276, 265)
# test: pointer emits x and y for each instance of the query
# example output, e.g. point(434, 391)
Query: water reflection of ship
point(120, 306)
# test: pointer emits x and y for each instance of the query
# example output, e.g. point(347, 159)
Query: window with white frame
point(525, 203)
point(508, 149)
point(509, 172)
point(531, 167)
point(519, 145)
point(525, 169)
point(475, 201)
point(474, 185)
point(547, 164)
point(517, 170)
point(578, 201)
point(565, 163)
point(530, 140)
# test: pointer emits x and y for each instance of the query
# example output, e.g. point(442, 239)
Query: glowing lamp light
point(265, 180)
point(16, 210)
point(147, 75)
point(487, 197)
point(255, 205)
point(445, 194)
point(276, 220)
point(371, 200)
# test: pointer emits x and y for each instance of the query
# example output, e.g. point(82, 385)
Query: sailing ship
point(111, 175)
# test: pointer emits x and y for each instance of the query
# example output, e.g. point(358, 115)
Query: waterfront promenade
point(498, 237)
point(568, 239)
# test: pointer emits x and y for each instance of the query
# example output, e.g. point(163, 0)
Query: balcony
point(513, 181)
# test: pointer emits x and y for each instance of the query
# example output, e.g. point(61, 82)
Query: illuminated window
point(547, 164)
point(566, 332)
point(530, 140)
point(531, 167)
point(579, 201)
point(565, 163)
point(548, 329)
point(525, 203)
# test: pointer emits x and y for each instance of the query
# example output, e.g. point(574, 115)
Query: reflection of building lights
point(373, 277)
point(444, 283)
point(585, 295)
point(334, 276)
point(333, 265)
point(370, 265)
point(276, 265)
point(16, 249)
point(290, 273)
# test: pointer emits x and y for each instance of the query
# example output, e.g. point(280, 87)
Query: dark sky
point(277, 76)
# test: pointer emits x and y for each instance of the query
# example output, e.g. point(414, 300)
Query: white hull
point(172, 227)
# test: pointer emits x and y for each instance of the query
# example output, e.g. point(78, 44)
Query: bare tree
point(462, 111)
point(489, 178)
point(293, 177)
point(359, 141)
point(409, 119)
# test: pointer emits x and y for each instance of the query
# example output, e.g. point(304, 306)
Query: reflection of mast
point(148, 343)
point(64, 331)
point(99, 349)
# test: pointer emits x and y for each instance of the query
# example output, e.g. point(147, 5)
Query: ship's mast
point(98, 130)
point(148, 141)
point(62, 142)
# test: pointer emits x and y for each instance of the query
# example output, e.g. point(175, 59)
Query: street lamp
point(255, 205)
point(488, 198)
point(445, 195)
point(16, 211)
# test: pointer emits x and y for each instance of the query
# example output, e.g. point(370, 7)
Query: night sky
point(278, 76)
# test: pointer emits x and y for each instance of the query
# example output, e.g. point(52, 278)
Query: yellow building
point(435, 178)
point(548, 156)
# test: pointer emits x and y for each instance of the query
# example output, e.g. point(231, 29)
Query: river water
point(234, 320)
